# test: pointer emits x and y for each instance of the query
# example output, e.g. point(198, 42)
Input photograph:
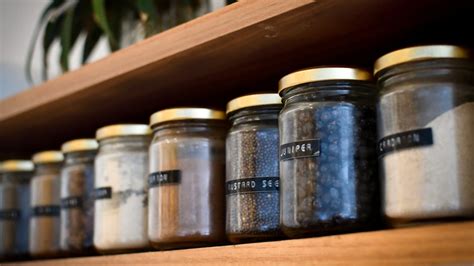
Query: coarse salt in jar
point(121, 167)
point(186, 180)
point(426, 127)
point(252, 168)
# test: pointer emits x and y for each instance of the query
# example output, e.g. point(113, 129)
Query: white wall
point(17, 21)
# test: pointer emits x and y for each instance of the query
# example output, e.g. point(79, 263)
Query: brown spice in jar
point(44, 223)
point(187, 191)
point(77, 203)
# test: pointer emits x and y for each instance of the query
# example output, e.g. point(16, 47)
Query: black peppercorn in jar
point(426, 127)
point(14, 207)
point(120, 208)
point(252, 168)
point(328, 168)
point(186, 181)
point(76, 192)
point(44, 221)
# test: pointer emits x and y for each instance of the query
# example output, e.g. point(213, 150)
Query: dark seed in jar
point(253, 154)
point(337, 191)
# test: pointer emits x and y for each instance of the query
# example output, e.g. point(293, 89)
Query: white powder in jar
point(121, 221)
point(434, 181)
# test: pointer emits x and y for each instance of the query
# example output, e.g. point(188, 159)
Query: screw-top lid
point(48, 157)
point(184, 113)
point(419, 53)
point(252, 100)
point(16, 166)
point(79, 145)
point(322, 74)
point(122, 130)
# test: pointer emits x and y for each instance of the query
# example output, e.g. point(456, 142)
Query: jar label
point(10, 214)
point(103, 193)
point(71, 202)
point(157, 179)
point(252, 185)
point(405, 140)
point(300, 149)
point(46, 210)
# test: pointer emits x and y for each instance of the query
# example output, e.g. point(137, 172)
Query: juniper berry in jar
point(327, 154)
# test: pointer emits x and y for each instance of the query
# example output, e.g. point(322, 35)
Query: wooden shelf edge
point(451, 243)
point(242, 48)
point(159, 47)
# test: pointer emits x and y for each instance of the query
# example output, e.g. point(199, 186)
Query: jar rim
point(79, 145)
point(16, 166)
point(419, 53)
point(48, 157)
point(122, 130)
point(322, 74)
point(185, 113)
point(253, 100)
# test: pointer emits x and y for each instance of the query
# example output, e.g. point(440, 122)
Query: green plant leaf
point(148, 16)
point(66, 38)
point(101, 18)
point(52, 31)
point(184, 11)
point(43, 19)
point(195, 4)
point(92, 38)
point(70, 31)
point(164, 18)
point(116, 19)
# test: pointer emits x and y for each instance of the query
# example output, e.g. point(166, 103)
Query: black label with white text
point(103, 193)
point(71, 202)
point(300, 149)
point(160, 178)
point(252, 185)
point(405, 140)
point(10, 214)
point(46, 210)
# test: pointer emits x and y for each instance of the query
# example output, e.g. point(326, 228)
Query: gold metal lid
point(253, 100)
point(48, 157)
point(79, 145)
point(322, 74)
point(418, 53)
point(122, 130)
point(16, 166)
point(185, 113)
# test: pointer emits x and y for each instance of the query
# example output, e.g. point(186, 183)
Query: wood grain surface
point(245, 47)
point(443, 244)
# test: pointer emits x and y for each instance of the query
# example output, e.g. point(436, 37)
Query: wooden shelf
point(244, 47)
point(444, 244)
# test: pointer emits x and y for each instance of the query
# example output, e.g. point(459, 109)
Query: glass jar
point(77, 201)
point(14, 207)
point(252, 168)
point(186, 181)
point(44, 221)
point(121, 167)
point(426, 124)
point(328, 167)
